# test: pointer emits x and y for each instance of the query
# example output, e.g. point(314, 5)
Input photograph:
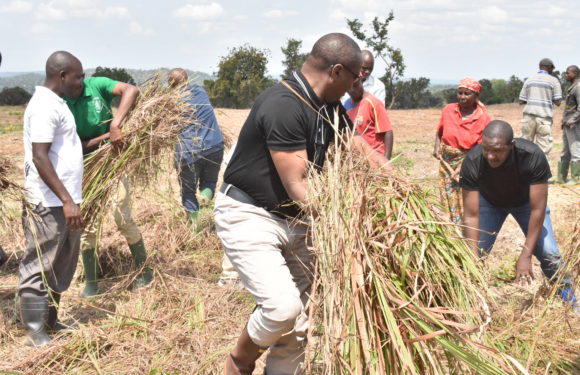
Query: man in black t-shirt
point(288, 129)
point(504, 176)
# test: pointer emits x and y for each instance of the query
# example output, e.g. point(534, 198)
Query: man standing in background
point(200, 150)
point(571, 131)
point(539, 93)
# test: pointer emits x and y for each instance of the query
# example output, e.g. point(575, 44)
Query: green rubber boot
point(574, 175)
point(90, 266)
point(562, 172)
point(205, 197)
point(140, 255)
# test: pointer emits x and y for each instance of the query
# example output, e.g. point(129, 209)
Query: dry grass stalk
point(151, 129)
point(396, 291)
point(11, 192)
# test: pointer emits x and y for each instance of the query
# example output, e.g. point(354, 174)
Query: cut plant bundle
point(150, 130)
point(395, 290)
point(10, 191)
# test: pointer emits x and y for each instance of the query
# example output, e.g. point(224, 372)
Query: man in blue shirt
point(200, 150)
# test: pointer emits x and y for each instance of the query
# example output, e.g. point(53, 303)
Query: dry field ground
point(184, 323)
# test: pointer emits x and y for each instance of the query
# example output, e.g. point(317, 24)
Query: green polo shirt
point(92, 110)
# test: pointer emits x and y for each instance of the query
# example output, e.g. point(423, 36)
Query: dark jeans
point(491, 219)
point(203, 172)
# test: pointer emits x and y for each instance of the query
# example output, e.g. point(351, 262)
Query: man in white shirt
point(53, 165)
point(370, 83)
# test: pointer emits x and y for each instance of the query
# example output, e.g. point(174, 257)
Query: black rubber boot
point(140, 255)
point(34, 315)
point(562, 172)
point(53, 324)
point(90, 267)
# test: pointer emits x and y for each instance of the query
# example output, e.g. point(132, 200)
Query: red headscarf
point(471, 84)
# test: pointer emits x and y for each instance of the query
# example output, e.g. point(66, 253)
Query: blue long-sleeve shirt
point(203, 136)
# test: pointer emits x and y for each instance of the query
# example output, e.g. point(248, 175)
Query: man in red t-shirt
point(370, 117)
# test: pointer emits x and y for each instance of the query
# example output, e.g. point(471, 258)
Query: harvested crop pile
point(396, 291)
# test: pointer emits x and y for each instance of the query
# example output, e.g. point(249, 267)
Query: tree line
point(242, 75)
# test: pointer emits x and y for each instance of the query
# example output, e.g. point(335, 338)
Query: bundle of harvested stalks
point(396, 291)
point(151, 129)
point(11, 192)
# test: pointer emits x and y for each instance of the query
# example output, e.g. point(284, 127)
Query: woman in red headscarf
point(460, 128)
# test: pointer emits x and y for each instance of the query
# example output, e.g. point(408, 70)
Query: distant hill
point(28, 80)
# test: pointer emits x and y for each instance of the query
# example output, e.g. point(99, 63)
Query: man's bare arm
point(471, 218)
point(128, 94)
point(292, 167)
point(538, 202)
point(46, 171)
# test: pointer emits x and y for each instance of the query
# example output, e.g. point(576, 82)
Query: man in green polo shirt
point(96, 123)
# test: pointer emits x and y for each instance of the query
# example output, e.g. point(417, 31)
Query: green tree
point(241, 77)
point(414, 93)
point(486, 96)
point(514, 86)
point(378, 42)
point(293, 59)
point(118, 74)
point(14, 96)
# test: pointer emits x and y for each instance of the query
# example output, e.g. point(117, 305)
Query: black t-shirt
point(281, 121)
point(509, 184)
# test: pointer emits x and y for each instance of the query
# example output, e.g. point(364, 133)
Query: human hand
point(116, 137)
point(437, 153)
point(524, 275)
point(72, 214)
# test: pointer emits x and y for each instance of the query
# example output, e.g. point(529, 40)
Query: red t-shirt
point(370, 117)
point(459, 133)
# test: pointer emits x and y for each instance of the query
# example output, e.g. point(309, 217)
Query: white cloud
point(200, 12)
point(64, 9)
point(16, 6)
point(40, 29)
point(278, 13)
point(136, 29)
point(50, 11)
point(494, 14)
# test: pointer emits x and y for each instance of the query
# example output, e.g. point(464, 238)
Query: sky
point(439, 39)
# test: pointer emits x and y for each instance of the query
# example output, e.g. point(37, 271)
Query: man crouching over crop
point(53, 165)
point(504, 176)
point(256, 211)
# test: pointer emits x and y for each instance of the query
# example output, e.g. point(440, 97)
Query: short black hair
point(499, 129)
point(59, 61)
point(335, 48)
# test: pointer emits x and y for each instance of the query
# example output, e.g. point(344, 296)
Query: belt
point(237, 194)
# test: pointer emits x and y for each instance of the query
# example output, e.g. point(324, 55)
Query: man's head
point(368, 63)
point(334, 63)
point(176, 77)
point(572, 73)
point(64, 74)
point(356, 92)
point(497, 142)
point(547, 65)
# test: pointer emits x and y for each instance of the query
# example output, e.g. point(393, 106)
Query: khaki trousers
point(538, 130)
point(121, 208)
point(275, 262)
